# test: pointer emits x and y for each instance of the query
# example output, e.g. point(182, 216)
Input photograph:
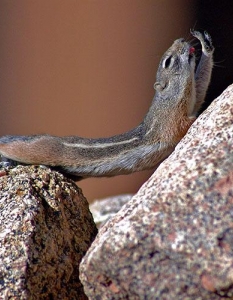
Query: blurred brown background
point(86, 67)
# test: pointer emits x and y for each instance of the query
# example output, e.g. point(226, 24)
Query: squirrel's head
point(176, 70)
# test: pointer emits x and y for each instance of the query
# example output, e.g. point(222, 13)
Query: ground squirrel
point(180, 91)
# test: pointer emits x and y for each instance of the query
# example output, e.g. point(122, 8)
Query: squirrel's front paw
point(205, 40)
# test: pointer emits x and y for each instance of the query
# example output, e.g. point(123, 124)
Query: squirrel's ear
point(158, 86)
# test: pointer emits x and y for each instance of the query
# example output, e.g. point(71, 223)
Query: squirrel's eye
point(167, 61)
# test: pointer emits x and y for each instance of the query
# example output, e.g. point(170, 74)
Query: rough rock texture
point(174, 239)
point(45, 229)
point(104, 209)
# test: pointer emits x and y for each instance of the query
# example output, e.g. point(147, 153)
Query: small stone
point(104, 209)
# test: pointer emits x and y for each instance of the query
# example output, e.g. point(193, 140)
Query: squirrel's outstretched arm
point(204, 68)
point(179, 94)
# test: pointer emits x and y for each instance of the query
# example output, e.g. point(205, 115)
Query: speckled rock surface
point(174, 239)
point(104, 209)
point(45, 229)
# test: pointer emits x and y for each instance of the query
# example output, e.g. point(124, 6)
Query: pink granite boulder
point(174, 239)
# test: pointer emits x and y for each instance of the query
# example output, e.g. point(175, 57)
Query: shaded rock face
point(45, 229)
point(174, 239)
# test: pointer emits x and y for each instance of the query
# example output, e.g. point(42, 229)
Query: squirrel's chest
point(176, 128)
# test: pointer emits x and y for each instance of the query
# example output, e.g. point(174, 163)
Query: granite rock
point(45, 229)
point(174, 238)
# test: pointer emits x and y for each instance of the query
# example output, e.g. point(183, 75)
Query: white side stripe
point(99, 145)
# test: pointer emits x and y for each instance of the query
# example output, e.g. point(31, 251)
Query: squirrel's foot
point(7, 162)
